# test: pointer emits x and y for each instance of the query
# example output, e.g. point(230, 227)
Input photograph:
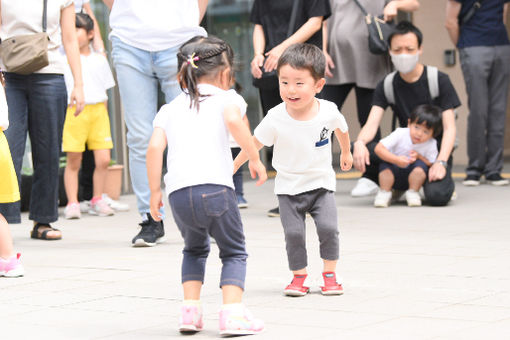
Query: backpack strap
point(433, 80)
point(388, 88)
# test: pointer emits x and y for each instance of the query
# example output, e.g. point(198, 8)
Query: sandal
point(43, 235)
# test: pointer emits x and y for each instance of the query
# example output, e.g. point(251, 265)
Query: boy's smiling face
point(298, 88)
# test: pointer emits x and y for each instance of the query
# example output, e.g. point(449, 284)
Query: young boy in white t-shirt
point(91, 126)
point(406, 154)
point(300, 129)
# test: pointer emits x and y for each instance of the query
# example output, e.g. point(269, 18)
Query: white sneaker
point(84, 206)
point(115, 205)
point(413, 198)
point(364, 187)
point(382, 199)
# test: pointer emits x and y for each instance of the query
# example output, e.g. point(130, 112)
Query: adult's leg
point(364, 105)
point(476, 66)
point(372, 170)
point(139, 93)
point(16, 134)
point(337, 93)
point(85, 175)
point(269, 99)
point(46, 114)
point(439, 193)
point(498, 94)
point(238, 176)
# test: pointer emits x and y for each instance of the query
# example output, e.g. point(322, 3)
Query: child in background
point(199, 178)
point(91, 127)
point(300, 129)
point(238, 175)
point(10, 265)
point(406, 154)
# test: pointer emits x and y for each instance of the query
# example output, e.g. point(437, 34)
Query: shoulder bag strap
point(388, 88)
point(293, 17)
point(44, 20)
point(365, 13)
point(433, 80)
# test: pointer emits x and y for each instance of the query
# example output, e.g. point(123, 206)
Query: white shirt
point(78, 5)
point(97, 78)
point(4, 111)
point(302, 149)
point(198, 147)
point(25, 17)
point(399, 143)
point(155, 25)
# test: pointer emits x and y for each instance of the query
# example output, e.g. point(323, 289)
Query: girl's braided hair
point(199, 57)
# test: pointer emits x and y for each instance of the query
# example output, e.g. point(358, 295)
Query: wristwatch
point(443, 163)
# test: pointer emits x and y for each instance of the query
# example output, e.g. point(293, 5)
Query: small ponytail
point(199, 57)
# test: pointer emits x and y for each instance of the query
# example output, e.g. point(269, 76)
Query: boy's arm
point(345, 146)
point(242, 136)
point(387, 156)
point(417, 155)
point(157, 145)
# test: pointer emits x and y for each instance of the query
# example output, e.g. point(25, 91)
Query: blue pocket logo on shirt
point(323, 138)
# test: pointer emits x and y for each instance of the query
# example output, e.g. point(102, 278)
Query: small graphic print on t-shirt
point(323, 138)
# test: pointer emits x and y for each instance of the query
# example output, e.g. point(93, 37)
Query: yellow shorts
point(91, 127)
point(9, 189)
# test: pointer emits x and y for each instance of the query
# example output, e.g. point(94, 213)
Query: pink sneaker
point(237, 320)
point(331, 287)
point(191, 320)
point(11, 267)
point(100, 208)
point(72, 211)
point(296, 287)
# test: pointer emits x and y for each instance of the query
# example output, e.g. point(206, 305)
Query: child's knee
point(73, 160)
point(418, 172)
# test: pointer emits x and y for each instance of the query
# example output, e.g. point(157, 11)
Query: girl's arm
point(97, 42)
point(154, 159)
point(301, 35)
point(387, 156)
point(70, 41)
point(345, 146)
point(242, 136)
point(242, 156)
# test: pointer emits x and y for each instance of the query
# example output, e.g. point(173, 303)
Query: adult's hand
point(390, 11)
point(330, 65)
point(436, 172)
point(361, 156)
point(272, 57)
point(256, 63)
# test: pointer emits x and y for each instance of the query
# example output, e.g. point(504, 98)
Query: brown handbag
point(25, 54)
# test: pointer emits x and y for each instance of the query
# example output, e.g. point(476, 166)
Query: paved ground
point(408, 273)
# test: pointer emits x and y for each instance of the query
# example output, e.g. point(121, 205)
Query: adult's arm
point(70, 42)
point(452, 20)
point(259, 44)
point(108, 3)
point(392, 8)
point(330, 64)
point(97, 42)
point(202, 7)
point(437, 171)
point(304, 33)
point(361, 154)
point(505, 12)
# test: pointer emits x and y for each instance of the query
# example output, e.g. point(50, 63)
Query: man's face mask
point(403, 62)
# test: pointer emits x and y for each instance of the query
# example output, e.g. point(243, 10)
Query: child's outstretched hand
point(258, 169)
point(156, 203)
point(346, 161)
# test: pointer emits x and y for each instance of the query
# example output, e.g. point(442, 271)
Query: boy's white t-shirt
point(155, 25)
point(4, 111)
point(198, 145)
point(302, 149)
point(78, 5)
point(97, 78)
point(399, 143)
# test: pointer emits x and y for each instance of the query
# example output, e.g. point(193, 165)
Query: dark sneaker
point(241, 202)
point(152, 232)
point(471, 180)
point(274, 212)
point(496, 179)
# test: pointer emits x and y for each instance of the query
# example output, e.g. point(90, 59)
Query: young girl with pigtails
point(199, 185)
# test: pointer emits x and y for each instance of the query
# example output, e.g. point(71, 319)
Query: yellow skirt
point(9, 189)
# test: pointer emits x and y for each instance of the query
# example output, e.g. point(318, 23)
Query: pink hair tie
point(192, 59)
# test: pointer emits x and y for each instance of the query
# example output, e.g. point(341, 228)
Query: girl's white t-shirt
point(155, 25)
point(302, 149)
point(97, 78)
point(399, 143)
point(25, 17)
point(198, 145)
point(4, 111)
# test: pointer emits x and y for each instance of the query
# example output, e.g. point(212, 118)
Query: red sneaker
point(296, 287)
point(331, 287)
